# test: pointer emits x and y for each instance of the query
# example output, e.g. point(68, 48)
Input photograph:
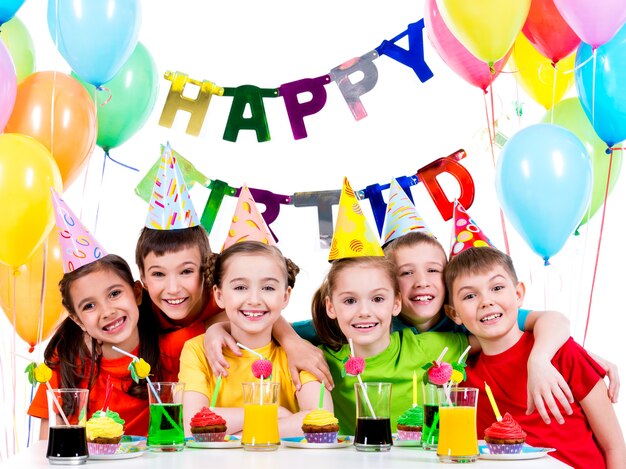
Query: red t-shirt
point(172, 337)
point(507, 375)
point(134, 411)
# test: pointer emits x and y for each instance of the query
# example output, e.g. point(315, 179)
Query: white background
point(410, 124)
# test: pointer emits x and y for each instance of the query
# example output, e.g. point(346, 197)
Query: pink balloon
point(8, 85)
point(595, 22)
point(454, 54)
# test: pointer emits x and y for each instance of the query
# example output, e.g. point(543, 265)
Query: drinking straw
point(107, 394)
point(56, 402)
point(493, 402)
point(261, 391)
point(136, 359)
point(443, 352)
point(358, 377)
point(464, 353)
point(320, 404)
point(215, 392)
point(250, 350)
point(432, 427)
point(414, 389)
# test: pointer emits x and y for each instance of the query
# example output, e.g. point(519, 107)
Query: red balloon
point(455, 55)
point(546, 29)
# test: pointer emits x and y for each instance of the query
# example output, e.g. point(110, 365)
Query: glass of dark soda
point(67, 414)
point(373, 425)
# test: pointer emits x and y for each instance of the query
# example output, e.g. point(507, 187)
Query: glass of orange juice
point(260, 416)
point(458, 440)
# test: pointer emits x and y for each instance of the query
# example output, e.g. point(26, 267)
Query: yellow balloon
point(26, 309)
point(536, 74)
point(487, 28)
point(27, 172)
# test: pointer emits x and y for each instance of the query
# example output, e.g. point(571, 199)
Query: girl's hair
point(162, 242)
point(68, 348)
point(328, 329)
point(410, 239)
point(218, 261)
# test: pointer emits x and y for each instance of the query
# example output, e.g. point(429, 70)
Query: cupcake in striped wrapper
point(104, 432)
point(207, 426)
point(505, 436)
point(410, 423)
point(320, 426)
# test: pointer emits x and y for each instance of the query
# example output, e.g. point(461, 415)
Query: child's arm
point(545, 383)
point(43, 429)
point(193, 401)
point(301, 354)
point(308, 397)
point(605, 426)
point(216, 338)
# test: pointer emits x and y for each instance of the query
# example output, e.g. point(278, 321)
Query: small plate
point(300, 442)
point(398, 442)
point(131, 446)
point(528, 452)
point(230, 441)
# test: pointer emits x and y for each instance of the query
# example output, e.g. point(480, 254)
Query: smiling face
point(253, 291)
point(363, 301)
point(105, 307)
point(487, 304)
point(420, 273)
point(175, 283)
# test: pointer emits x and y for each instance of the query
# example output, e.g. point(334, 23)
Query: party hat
point(170, 204)
point(247, 223)
point(78, 246)
point(466, 233)
point(353, 237)
point(401, 216)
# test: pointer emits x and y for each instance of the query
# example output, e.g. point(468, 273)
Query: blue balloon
point(8, 8)
point(544, 178)
point(608, 113)
point(95, 37)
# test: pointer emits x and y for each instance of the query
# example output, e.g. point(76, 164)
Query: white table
point(284, 457)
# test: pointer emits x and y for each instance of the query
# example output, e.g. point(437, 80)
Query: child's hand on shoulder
point(215, 339)
point(545, 387)
point(611, 373)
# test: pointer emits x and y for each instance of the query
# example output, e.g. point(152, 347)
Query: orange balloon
point(69, 132)
point(30, 311)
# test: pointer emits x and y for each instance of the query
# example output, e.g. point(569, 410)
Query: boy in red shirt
point(484, 295)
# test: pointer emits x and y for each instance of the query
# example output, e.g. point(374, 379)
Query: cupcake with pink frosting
point(206, 425)
point(505, 436)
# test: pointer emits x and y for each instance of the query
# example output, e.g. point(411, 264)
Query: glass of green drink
point(165, 430)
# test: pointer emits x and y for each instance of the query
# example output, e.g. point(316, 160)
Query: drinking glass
point(458, 440)
point(430, 430)
point(165, 430)
point(373, 426)
point(260, 416)
point(67, 438)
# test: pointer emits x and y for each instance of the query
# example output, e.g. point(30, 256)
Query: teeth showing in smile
point(423, 298)
point(114, 325)
point(175, 302)
point(491, 317)
point(368, 325)
point(253, 314)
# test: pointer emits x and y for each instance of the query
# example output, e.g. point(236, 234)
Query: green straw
point(216, 391)
point(432, 428)
point(320, 404)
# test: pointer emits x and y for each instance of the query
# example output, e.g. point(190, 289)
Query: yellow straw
point(493, 402)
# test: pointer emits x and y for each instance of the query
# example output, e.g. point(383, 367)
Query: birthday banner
point(324, 200)
point(253, 96)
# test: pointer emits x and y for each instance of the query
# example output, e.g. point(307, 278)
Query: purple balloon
point(8, 85)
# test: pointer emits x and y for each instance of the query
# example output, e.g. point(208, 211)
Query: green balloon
point(569, 113)
point(20, 45)
point(125, 102)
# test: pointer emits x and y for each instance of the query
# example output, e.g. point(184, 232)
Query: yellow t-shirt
point(197, 375)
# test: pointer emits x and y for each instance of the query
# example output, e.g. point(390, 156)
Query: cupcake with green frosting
point(104, 432)
point(410, 423)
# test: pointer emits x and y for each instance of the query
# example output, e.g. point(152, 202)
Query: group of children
point(383, 302)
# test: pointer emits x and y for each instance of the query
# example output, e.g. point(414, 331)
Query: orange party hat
point(466, 233)
point(247, 223)
point(401, 216)
point(352, 237)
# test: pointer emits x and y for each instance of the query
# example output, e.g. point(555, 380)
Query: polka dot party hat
point(247, 223)
point(170, 204)
point(466, 233)
point(78, 246)
point(401, 216)
point(352, 237)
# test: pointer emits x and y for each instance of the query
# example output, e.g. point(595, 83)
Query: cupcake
point(410, 424)
point(104, 432)
point(320, 426)
point(505, 436)
point(206, 425)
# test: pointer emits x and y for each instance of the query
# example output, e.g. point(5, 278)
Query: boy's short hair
point(161, 242)
point(476, 261)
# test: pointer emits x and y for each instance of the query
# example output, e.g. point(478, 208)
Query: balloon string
point(106, 101)
point(593, 92)
point(555, 67)
point(595, 267)
point(13, 361)
point(119, 162)
point(566, 72)
point(42, 297)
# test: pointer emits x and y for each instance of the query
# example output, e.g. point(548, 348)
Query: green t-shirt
point(407, 352)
